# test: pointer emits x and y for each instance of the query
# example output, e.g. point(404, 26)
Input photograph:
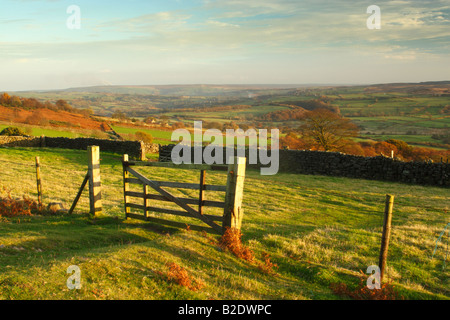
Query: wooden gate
point(232, 204)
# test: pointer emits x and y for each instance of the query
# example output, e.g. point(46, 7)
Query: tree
point(178, 125)
point(144, 136)
point(328, 129)
point(213, 125)
point(62, 104)
point(5, 99)
point(291, 141)
point(15, 102)
point(119, 115)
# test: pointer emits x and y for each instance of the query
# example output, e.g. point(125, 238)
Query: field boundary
point(343, 165)
point(136, 149)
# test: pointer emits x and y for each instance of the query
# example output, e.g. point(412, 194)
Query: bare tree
point(327, 128)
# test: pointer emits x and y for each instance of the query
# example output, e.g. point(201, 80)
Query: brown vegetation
point(362, 292)
point(10, 207)
point(231, 241)
point(32, 111)
point(402, 150)
point(180, 276)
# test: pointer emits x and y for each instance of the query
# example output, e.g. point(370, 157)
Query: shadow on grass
point(60, 238)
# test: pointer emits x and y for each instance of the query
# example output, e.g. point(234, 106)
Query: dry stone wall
point(135, 149)
point(343, 165)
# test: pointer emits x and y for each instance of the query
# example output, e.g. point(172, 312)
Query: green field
point(159, 136)
point(318, 230)
point(226, 116)
point(163, 137)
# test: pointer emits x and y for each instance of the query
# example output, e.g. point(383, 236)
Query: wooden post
point(146, 201)
point(126, 185)
point(201, 196)
point(386, 234)
point(95, 185)
point(38, 180)
point(233, 212)
point(80, 191)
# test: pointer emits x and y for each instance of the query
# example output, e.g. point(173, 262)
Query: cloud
point(245, 39)
point(222, 24)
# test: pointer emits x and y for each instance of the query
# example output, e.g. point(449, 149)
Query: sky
point(137, 42)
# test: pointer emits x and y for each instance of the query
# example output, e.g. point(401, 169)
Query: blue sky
point(138, 42)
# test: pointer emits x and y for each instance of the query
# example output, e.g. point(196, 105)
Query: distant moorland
point(416, 113)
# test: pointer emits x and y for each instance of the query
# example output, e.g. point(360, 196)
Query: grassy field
point(159, 136)
point(226, 116)
point(318, 230)
point(163, 137)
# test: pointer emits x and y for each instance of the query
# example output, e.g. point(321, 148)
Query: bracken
point(231, 240)
point(362, 292)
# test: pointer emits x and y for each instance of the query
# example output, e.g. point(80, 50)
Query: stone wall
point(343, 165)
point(135, 149)
point(7, 141)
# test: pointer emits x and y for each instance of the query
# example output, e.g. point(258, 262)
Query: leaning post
point(38, 180)
point(386, 234)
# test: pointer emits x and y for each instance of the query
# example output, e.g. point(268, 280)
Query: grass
point(159, 136)
point(164, 137)
point(319, 231)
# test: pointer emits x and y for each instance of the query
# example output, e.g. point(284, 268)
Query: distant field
point(384, 110)
point(164, 137)
point(228, 115)
point(409, 128)
point(318, 231)
point(159, 136)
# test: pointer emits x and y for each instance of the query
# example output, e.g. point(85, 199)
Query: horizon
point(244, 85)
point(48, 45)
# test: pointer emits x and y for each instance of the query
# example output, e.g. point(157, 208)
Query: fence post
point(201, 196)
point(146, 201)
point(126, 185)
point(95, 185)
point(38, 180)
point(233, 212)
point(386, 234)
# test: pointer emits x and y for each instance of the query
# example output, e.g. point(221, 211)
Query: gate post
point(233, 211)
point(386, 234)
point(126, 185)
point(95, 185)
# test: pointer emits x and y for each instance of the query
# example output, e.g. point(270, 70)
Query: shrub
point(12, 131)
point(10, 207)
